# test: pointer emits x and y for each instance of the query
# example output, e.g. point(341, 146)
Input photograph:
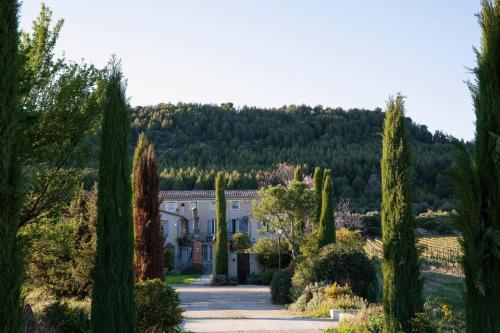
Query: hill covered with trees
point(193, 141)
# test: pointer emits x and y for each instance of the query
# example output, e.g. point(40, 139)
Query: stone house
point(189, 228)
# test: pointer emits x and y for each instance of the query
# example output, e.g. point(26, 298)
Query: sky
point(269, 53)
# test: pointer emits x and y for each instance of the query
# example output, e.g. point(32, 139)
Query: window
point(233, 226)
point(235, 205)
point(171, 206)
point(212, 228)
point(212, 205)
point(192, 205)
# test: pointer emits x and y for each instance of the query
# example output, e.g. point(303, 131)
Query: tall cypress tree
point(142, 145)
point(327, 218)
point(478, 185)
point(113, 308)
point(221, 255)
point(11, 261)
point(402, 283)
point(298, 175)
point(148, 235)
point(318, 188)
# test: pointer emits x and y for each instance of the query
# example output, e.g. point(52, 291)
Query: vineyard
point(440, 252)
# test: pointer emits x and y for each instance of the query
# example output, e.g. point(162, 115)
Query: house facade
point(189, 227)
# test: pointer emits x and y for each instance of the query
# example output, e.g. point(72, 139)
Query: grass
point(444, 288)
point(181, 278)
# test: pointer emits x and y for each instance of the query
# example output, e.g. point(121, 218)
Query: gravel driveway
point(239, 309)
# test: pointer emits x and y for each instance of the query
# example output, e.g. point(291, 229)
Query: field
point(439, 252)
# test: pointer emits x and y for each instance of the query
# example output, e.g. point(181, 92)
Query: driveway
point(239, 309)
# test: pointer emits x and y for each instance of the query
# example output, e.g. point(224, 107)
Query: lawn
point(181, 278)
point(444, 288)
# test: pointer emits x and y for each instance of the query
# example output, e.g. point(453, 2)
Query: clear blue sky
point(269, 53)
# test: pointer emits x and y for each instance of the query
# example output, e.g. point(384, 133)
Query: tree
point(298, 176)
point(148, 235)
point(113, 307)
point(318, 188)
point(327, 218)
point(221, 255)
point(402, 296)
point(288, 210)
point(478, 187)
point(141, 146)
point(61, 114)
point(11, 261)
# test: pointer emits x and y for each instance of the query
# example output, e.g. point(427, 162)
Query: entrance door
point(243, 267)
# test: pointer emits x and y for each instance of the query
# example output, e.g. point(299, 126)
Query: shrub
point(281, 286)
point(64, 318)
point(268, 254)
point(342, 264)
point(240, 241)
point(267, 276)
point(350, 238)
point(169, 259)
point(437, 318)
point(219, 280)
point(369, 320)
point(254, 279)
point(194, 269)
point(157, 306)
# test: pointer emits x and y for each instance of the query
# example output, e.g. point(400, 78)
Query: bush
point(338, 263)
point(63, 318)
point(219, 280)
point(268, 254)
point(194, 269)
point(350, 238)
point(267, 276)
point(254, 279)
point(281, 286)
point(437, 318)
point(169, 258)
point(369, 320)
point(240, 241)
point(157, 306)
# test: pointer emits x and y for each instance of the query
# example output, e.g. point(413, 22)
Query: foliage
point(193, 269)
point(67, 319)
point(169, 258)
point(240, 241)
point(268, 253)
point(370, 320)
point(146, 206)
point(157, 306)
point(11, 261)
point(327, 219)
point(252, 140)
point(350, 239)
point(254, 279)
point(281, 286)
point(345, 218)
point(477, 183)
point(437, 318)
point(221, 255)
point(60, 252)
point(181, 278)
point(112, 296)
point(318, 188)
point(402, 291)
point(61, 108)
point(338, 263)
point(288, 210)
point(267, 276)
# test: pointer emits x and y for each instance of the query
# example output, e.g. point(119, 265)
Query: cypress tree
point(298, 176)
point(148, 235)
point(478, 185)
point(402, 283)
point(113, 308)
point(142, 145)
point(11, 261)
point(221, 255)
point(318, 188)
point(327, 218)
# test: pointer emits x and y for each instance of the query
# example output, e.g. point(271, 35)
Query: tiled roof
point(208, 194)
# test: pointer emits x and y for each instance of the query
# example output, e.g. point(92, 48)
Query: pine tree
point(327, 218)
point(11, 261)
point(113, 308)
point(402, 283)
point(298, 176)
point(221, 255)
point(318, 188)
point(478, 186)
point(148, 235)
